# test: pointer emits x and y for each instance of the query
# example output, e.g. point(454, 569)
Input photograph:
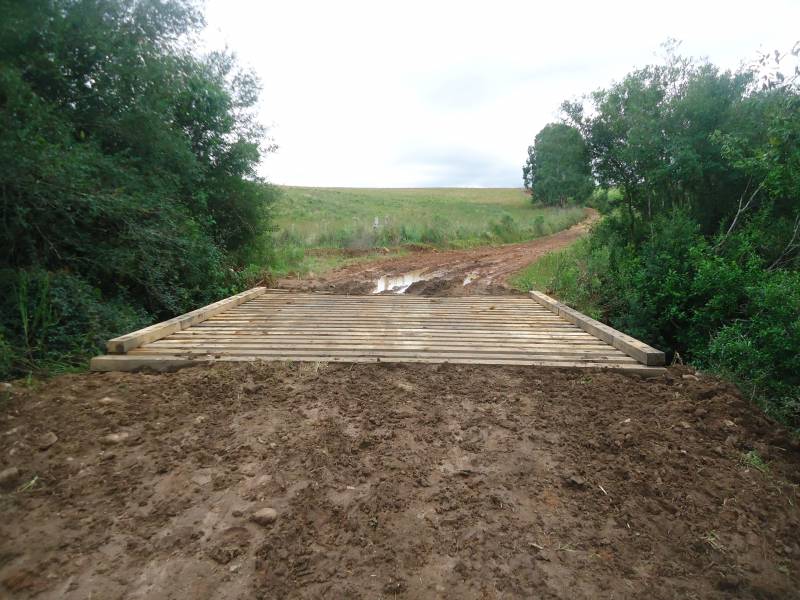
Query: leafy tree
point(702, 256)
point(558, 168)
point(128, 163)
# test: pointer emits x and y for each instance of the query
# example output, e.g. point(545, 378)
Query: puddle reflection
point(397, 284)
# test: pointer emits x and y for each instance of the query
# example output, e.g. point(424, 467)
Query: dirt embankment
point(443, 273)
point(394, 481)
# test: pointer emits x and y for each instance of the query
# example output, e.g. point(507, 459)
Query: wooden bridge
point(265, 324)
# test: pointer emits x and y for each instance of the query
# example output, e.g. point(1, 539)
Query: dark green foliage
point(128, 169)
point(760, 351)
point(702, 250)
point(56, 319)
point(557, 170)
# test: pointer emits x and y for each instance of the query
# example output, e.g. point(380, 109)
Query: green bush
point(714, 302)
point(7, 355)
point(759, 351)
point(505, 230)
point(128, 173)
point(53, 321)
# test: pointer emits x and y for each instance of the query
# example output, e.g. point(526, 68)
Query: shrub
point(759, 351)
point(54, 320)
point(505, 230)
point(715, 302)
point(128, 172)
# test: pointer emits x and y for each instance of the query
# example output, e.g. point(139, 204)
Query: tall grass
point(568, 275)
point(364, 219)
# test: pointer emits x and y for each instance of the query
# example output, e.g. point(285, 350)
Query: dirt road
point(304, 480)
point(483, 270)
point(393, 481)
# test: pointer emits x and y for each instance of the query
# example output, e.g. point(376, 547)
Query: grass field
point(361, 219)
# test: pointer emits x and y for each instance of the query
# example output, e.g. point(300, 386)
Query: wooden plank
point(135, 339)
point(366, 318)
point(645, 354)
point(379, 352)
point(126, 362)
point(385, 334)
point(369, 317)
point(383, 341)
point(441, 356)
point(189, 335)
point(322, 312)
point(323, 328)
point(388, 346)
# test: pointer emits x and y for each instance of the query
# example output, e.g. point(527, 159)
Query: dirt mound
point(416, 481)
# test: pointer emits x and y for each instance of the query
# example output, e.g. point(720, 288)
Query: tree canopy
point(685, 134)
point(558, 170)
point(700, 255)
point(128, 161)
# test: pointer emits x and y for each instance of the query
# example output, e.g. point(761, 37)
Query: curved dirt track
point(444, 272)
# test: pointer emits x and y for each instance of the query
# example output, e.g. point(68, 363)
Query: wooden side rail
point(129, 341)
point(647, 355)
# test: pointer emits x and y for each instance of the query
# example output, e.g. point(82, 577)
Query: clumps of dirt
point(415, 481)
point(448, 286)
point(358, 287)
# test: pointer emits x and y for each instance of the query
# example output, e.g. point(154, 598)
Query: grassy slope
point(325, 216)
point(443, 217)
point(561, 274)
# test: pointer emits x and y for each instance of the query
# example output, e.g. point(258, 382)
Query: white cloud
point(442, 93)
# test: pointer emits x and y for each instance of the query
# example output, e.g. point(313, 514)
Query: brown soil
point(488, 268)
point(394, 481)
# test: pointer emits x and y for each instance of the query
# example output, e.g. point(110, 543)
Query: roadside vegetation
point(567, 274)
point(318, 228)
point(128, 185)
point(699, 250)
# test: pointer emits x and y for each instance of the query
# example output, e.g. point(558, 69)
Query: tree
point(703, 256)
point(128, 164)
point(558, 170)
point(655, 137)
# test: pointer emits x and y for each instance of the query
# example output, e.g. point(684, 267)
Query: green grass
point(563, 274)
point(754, 460)
point(345, 218)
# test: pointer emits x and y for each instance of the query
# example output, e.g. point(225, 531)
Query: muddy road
point(313, 480)
point(476, 271)
point(393, 481)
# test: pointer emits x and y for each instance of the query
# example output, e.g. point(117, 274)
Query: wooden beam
point(647, 355)
point(125, 362)
point(123, 343)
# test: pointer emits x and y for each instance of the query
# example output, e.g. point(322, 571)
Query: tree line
point(128, 190)
point(697, 171)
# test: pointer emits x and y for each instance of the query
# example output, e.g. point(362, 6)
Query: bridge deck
point(275, 325)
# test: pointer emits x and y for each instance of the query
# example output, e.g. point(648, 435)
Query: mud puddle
point(397, 284)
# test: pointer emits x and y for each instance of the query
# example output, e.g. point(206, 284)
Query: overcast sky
point(435, 93)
